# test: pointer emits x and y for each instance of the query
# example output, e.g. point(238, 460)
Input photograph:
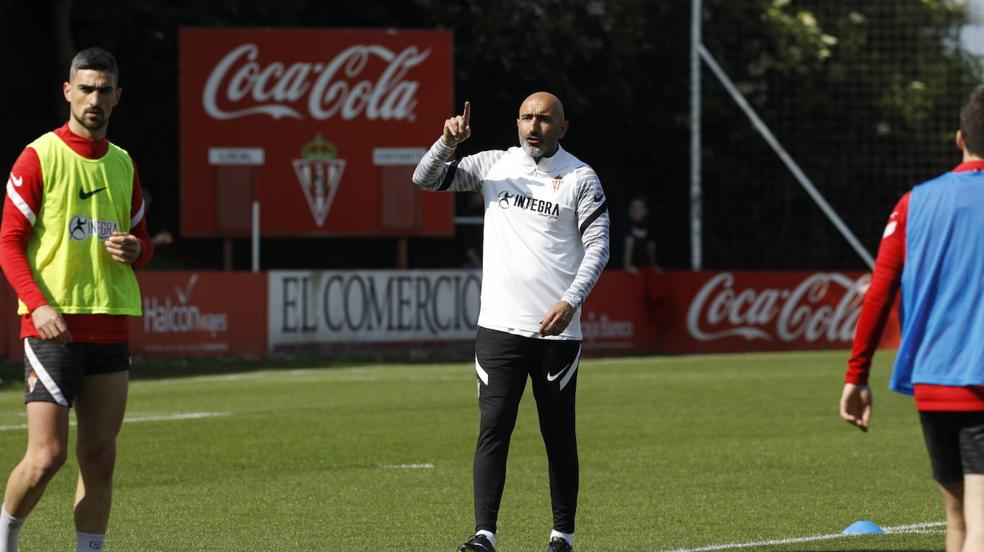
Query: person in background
point(639, 249)
point(162, 237)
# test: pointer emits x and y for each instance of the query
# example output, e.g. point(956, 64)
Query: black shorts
point(550, 361)
point(955, 441)
point(53, 371)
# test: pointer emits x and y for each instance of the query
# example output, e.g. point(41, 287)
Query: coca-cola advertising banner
point(322, 127)
point(724, 312)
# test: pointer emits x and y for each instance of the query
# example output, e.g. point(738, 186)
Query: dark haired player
point(73, 229)
point(933, 246)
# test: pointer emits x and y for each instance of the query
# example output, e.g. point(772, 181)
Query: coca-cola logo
point(240, 85)
point(811, 311)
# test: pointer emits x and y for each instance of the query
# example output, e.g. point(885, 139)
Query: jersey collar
point(969, 166)
point(559, 162)
point(86, 147)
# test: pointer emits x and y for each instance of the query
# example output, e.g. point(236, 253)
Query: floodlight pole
point(696, 232)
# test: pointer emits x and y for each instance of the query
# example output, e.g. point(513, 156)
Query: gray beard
point(537, 152)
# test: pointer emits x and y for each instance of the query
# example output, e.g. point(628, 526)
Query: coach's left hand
point(557, 319)
point(125, 248)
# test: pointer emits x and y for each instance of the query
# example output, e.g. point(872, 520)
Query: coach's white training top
point(546, 231)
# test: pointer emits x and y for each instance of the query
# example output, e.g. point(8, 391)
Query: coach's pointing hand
point(457, 129)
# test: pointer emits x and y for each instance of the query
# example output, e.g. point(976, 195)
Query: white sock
point(88, 542)
point(9, 531)
point(569, 537)
point(487, 534)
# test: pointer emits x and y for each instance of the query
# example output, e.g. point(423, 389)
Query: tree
point(863, 94)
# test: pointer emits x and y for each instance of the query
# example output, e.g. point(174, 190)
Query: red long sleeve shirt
point(877, 306)
point(16, 230)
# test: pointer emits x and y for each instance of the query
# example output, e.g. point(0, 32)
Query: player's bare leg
point(47, 445)
point(47, 448)
point(99, 408)
point(973, 512)
point(953, 504)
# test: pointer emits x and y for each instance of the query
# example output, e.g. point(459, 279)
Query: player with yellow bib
point(73, 230)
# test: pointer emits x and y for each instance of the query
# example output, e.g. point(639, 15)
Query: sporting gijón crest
point(319, 172)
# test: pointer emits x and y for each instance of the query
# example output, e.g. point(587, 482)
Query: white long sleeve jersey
point(546, 231)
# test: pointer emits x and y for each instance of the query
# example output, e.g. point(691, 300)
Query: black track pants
point(503, 362)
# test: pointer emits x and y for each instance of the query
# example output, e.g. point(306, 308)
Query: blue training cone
point(863, 527)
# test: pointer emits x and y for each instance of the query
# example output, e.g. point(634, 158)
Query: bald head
point(544, 101)
point(541, 124)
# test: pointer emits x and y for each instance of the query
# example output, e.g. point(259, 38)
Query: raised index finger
point(467, 113)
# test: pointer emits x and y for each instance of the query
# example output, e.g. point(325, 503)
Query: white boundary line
point(173, 417)
point(146, 418)
point(701, 357)
point(406, 466)
point(897, 529)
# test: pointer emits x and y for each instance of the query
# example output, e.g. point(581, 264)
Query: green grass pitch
point(676, 453)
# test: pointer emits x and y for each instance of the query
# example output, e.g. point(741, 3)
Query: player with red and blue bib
point(933, 248)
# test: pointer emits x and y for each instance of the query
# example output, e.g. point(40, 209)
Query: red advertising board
point(237, 314)
point(201, 314)
point(322, 127)
point(725, 312)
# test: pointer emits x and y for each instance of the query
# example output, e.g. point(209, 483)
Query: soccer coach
point(545, 245)
point(933, 246)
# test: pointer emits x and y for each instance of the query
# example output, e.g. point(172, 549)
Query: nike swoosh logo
point(553, 377)
point(86, 195)
point(17, 181)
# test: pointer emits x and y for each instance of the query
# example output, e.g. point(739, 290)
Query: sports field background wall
point(421, 313)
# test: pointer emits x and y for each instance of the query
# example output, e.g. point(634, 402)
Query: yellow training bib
point(84, 202)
